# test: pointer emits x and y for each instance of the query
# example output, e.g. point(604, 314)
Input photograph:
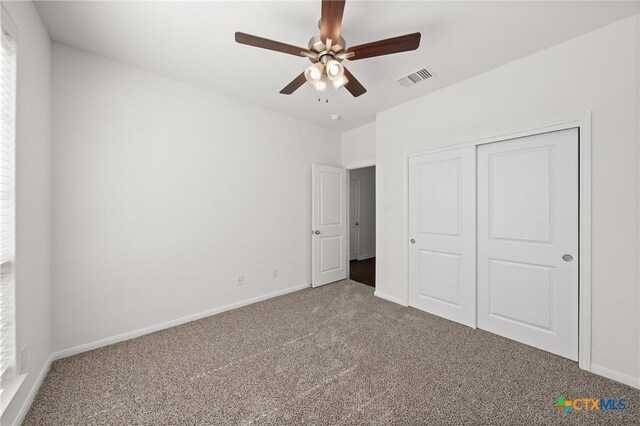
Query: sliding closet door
point(528, 240)
point(442, 218)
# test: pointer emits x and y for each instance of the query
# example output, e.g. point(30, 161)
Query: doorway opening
point(362, 225)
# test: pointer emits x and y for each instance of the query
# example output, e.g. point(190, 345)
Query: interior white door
point(329, 221)
point(442, 231)
point(528, 240)
point(354, 218)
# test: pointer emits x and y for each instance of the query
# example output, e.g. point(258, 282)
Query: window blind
point(7, 201)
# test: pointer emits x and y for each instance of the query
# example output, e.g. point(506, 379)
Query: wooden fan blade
point(331, 20)
point(265, 43)
point(294, 85)
point(353, 86)
point(385, 47)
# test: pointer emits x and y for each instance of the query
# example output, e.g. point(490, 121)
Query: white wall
point(598, 72)
point(359, 146)
point(164, 193)
point(367, 178)
point(33, 195)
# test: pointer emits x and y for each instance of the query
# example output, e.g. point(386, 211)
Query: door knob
point(412, 241)
point(316, 232)
point(357, 223)
point(567, 258)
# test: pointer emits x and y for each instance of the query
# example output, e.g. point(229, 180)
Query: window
point(7, 199)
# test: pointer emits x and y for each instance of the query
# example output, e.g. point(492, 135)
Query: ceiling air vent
point(416, 77)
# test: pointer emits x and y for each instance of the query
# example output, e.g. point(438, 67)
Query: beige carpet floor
point(332, 355)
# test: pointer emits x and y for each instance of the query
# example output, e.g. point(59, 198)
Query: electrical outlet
point(23, 359)
point(275, 272)
point(240, 280)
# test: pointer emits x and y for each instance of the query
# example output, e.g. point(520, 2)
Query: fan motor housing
point(317, 46)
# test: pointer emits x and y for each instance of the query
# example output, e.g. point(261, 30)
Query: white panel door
point(528, 240)
point(354, 218)
point(329, 221)
point(442, 231)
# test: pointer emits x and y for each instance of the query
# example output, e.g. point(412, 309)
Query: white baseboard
point(366, 256)
point(132, 334)
point(168, 324)
point(393, 299)
point(34, 391)
point(616, 375)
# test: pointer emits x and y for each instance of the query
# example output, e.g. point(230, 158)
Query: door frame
point(357, 219)
point(584, 215)
point(359, 166)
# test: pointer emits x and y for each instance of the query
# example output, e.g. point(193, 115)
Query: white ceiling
point(194, 42)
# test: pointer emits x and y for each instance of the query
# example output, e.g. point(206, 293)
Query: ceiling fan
point(328, 49)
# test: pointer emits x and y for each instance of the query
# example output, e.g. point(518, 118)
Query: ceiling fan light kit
point(320, 85)
point(339, 82)
point(335, 70)
point(314, 72)
point(328, 49)
point(325, 63)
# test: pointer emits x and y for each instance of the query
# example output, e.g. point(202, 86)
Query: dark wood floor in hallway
point(364, 271)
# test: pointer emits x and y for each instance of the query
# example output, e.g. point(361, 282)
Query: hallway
point(363, 271)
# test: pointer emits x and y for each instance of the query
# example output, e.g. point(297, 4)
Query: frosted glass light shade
point(339, 82)
point(335, 70)
point(320, 85)
point(314, 72)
